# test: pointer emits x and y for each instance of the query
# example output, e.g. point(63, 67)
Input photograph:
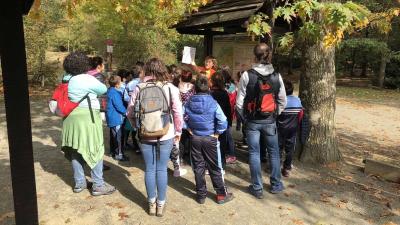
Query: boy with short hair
point(115, 118)
point(288, 122)
point(205, 122)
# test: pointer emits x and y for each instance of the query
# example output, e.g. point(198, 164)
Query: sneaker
point(285, 172)
point(106, 189)
point(276, 190)
point(258, 194)
point(179, 172)
point(201, 200)
point(121, 158)
point(152, 208)
point(222, 199)
point(231, 159)
point(160, 210)
point(105, 167)
point(79, 188)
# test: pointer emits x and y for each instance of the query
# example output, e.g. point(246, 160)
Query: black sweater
point(222, 98)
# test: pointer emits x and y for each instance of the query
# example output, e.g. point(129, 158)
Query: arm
point(220, 121)
point(130, 113)
point(118, 104)
point(241, 93)
point(96, 86)
point(281, 99)
point(177, 110)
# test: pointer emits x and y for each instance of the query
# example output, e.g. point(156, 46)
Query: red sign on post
point(109, 42)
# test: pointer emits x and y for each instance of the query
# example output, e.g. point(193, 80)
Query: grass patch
point(368, 94)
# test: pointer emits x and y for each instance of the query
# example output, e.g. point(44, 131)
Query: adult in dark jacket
point(260, 125)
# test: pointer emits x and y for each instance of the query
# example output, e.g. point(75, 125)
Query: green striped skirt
point(80, 134)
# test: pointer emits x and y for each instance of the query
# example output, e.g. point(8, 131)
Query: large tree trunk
point(318, 93)
point(382, 70)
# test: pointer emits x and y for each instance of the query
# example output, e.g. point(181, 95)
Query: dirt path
point(337, 194)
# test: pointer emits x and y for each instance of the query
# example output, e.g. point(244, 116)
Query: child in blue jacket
point(115, 118)
point(205, 121)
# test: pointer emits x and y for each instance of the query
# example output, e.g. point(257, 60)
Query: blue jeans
point(254, 132)
point(156, 177)
point(79, 174)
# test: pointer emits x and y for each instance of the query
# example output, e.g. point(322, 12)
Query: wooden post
point(16, 96)
point(208, 44)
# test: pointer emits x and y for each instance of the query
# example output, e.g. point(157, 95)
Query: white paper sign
point(189, 55)
point(109, 48)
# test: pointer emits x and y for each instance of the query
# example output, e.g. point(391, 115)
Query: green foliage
point(258, 25)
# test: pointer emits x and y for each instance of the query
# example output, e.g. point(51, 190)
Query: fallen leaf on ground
point(291, 186)
point(341, 205)
point(287, 194)
point(6, 215)
point(386, 214)
point(280, 207)
point(327, 195)
point(174, 210)
point(348, 177)
point(297, 222)
point(390, 223)
point(56, 206)
point(232, 214)
point(116, 205)
point(90, 208)
point(389, 205)
point(332, 165)
point(122, 215)
point(68, 220)
point(344, 200)
point(325, 199)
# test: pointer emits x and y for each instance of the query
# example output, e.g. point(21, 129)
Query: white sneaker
point(180, 172)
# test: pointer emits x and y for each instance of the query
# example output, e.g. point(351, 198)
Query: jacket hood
point(264, 69)
point(185, 87)
point(202, 103)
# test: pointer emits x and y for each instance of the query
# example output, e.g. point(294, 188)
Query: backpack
point(153, 113)
point(61, 105)
point(264, 103)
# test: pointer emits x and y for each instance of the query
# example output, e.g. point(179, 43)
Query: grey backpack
point(153, 113)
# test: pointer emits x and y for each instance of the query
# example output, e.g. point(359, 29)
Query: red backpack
point(60, 103)
point(267, 88)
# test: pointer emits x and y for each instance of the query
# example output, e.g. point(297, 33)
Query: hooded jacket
point(204, 116)
point(265, 70)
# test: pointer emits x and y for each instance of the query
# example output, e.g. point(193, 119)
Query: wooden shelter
point(16, 97)
point(222, 17)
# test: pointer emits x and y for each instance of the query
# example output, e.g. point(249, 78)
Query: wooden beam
point(208, 44)
point(16, 96)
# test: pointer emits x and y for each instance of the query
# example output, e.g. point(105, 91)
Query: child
point(220, 95)
point(205, 122)
point(288, 123)
point(136, 73)
point(115, 118)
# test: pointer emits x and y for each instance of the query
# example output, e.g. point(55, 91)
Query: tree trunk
point(318, 93)
point(382, 70)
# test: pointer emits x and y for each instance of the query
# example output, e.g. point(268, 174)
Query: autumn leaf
point(122, 215)
point(297, 222)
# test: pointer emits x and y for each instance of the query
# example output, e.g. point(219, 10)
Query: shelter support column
point(16, 98)
point(208, 44)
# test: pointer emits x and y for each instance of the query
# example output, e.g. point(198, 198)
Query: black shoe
point(258, 194)
point(200, 200)
point(105, 167)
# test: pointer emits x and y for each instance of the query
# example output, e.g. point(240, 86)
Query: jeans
point(156, 162)
point(79, 174)
point(116, 141)
point(268, 131)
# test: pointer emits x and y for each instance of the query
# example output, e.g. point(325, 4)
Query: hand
point(190, 131)
point(177, 138)
point(215, 136)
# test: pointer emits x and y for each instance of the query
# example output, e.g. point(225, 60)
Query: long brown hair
point(157, 69)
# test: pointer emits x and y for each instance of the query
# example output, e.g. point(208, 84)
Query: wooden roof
point(228, 14)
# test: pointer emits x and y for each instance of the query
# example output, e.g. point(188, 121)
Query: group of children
point(209, 108)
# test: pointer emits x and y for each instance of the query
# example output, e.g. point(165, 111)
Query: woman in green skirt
point(82, 133)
